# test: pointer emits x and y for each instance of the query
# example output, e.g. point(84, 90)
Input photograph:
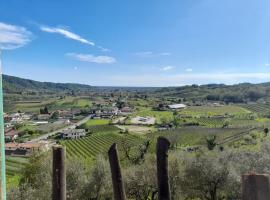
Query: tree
point(55, 115)
point(226, 123)
point(140, 180)
point(205, 177)
point(266, 131)
point(211, 142)
point(44, 110)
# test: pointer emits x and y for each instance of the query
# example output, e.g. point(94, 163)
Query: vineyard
point(214, 110)
point(91, 146)
point(190, 136)
point(259, 108)
point(15, 165)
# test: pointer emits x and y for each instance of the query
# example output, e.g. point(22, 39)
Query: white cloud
point(188, 70)
point(68, 34)
point(103, 49)
point(147, 54)
point(12, 37)
point(91, 58)
point(167, 68)
point(267, 64)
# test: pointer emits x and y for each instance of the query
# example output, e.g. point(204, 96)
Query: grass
point(144, 112)
point(95, 122)
point(212, 111)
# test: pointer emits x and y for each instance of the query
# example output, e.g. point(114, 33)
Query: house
point(43, 116)
point(11, 134)
point(22, 149)
point(65, 114)
point(73, 133)
point(26, 117)
point(126, 110)
point(177, 106)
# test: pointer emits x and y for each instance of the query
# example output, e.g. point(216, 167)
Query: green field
point(159, 115)
point(95, 122)
point(91, 146)
point(214, 110)
point(259, 108)
point(14, 166)
point(191, 136)
point(52, 104)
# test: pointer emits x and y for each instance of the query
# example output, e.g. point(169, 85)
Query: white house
point(73, 133)
point(177, 106)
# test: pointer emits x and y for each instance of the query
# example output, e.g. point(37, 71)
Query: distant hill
point(15, 85)
point(238, 93)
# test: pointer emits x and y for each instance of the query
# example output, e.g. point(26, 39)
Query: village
point(27, 133)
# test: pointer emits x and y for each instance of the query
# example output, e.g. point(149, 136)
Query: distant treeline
point(240, 93)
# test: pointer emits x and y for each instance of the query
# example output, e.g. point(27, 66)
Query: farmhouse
point(24, 148)
point(73, 133)
point(177, 106)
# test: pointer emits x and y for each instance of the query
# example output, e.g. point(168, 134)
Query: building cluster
point(109, 112)
point(24, 149)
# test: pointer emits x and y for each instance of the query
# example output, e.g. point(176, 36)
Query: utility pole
point(2, 133)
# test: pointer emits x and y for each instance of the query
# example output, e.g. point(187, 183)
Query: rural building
point(11, 134)
point(43, 117)
point(177, 106)
point(73, 133)
point(126, 110)
point(66, 114)
point(24, 148)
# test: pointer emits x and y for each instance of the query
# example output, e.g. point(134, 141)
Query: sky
point(136, 43)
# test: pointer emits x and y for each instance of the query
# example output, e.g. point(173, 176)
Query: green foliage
point(211, 142)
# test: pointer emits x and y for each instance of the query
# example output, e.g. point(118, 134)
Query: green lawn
point(144, 112)
point(94, 122)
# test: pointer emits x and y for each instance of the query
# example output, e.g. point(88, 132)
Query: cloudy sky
point(137, 43)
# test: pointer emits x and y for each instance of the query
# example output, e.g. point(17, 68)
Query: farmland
point(258, 108)
point(52, 104)
point(91, 146)
point(14, 167)
point(214, 110)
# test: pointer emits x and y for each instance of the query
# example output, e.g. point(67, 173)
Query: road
point(72, 126)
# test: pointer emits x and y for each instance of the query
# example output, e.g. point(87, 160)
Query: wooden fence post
point(117, 180)
point(256, 187)
point(59, 173)
point(162, 169)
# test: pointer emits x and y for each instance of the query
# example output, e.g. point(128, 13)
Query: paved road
point(72, 126)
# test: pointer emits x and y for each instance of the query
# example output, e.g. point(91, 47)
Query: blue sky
point(137, 43)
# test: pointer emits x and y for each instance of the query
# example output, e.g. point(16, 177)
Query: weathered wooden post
point(59, 173)
point(162, 169)
point(117, 180)
point(256, 187)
